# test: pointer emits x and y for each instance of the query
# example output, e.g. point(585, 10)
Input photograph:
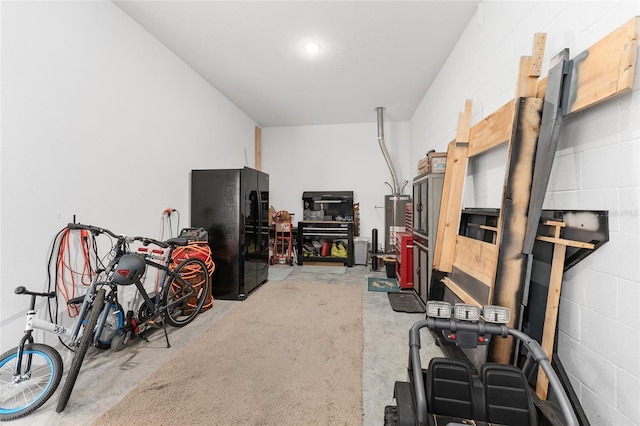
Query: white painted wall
point(345, 157)
point(596, 167)
point(101, 121)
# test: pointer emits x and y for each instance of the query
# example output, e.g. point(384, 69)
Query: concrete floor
point(107, 376)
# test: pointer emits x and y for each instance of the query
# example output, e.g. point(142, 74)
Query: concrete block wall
point(596, 168)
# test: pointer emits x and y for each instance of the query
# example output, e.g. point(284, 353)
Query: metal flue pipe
point(396, 187)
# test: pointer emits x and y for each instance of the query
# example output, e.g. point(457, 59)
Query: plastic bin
point(390, 266)
point(360, 250)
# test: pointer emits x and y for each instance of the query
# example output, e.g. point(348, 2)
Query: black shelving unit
point(325, 231)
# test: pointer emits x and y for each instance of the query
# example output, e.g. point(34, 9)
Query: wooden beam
point(553, 295)
point(570, 243)
point(494, 130)
point(551, 314)
point(605, 69)
point(512, 262)
point(530, 67)
point(258, 148)
point(444, 208)
point(464, 122)
point(537, 56)
point(458, 291)
point(451, 202)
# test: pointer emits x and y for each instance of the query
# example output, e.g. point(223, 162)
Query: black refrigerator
point(233, 206)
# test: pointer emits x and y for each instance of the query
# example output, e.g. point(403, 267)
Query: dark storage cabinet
point(233, 206)
point(427, 193)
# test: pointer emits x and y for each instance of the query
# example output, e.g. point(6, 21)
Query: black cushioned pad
point(408, 302)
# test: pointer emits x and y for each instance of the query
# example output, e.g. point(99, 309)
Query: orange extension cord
point(191, 273)
point(66, 274)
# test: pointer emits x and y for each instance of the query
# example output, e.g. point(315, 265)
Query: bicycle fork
point(33, 323)
point(112, 299)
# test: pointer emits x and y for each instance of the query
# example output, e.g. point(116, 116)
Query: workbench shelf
point(323, 232)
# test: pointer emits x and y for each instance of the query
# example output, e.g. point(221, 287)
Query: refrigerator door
point(263, 197)
point(251, 215)
point(215, 206)
point(256, 208)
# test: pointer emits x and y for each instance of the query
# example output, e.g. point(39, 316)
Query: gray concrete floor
point(107, 376)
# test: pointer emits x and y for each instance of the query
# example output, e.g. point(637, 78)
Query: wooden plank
point(444, 204)
point(542, 87)
point(464, 122)
point(494, 130)
point(452, 192)
point(551, 314)
point(555, 223)
point(530, 67)
point(449, 218)
point(526, 86)
point(553, 295)
point(475, 288)
point(258, 148)
point(537, 55)
point(476, 258)
point(459, 292)
point(512, 262)
point(605, 69)
point(570, 243)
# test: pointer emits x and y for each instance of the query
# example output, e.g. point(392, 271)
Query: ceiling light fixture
point(312, 48)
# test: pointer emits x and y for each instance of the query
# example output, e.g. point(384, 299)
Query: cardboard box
point(434, 162)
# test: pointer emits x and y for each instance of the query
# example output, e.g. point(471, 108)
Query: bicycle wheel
point(112, 325)
point(35, 386)
point(78, 357)
point(185, 295)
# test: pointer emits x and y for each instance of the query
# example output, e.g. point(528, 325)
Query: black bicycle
point(180, 294)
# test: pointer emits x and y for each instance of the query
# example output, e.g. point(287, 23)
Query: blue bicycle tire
point(35, 389)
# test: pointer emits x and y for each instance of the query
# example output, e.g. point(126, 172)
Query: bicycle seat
point(76, 300)
point(177, 241)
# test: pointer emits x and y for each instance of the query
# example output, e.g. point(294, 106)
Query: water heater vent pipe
point(396, 187)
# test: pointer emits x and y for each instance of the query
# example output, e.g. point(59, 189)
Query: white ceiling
point(374, 53)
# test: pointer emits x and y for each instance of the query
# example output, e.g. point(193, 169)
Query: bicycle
point(181, 291)
point(102, 326)
point(26, 384)
point(30, 373)
point(173, 302)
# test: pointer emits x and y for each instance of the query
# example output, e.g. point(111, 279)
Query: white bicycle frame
point(35, 323)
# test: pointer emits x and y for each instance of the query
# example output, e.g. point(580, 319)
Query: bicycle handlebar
point(23, 290)
point(94, 230)
point(146, 241)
